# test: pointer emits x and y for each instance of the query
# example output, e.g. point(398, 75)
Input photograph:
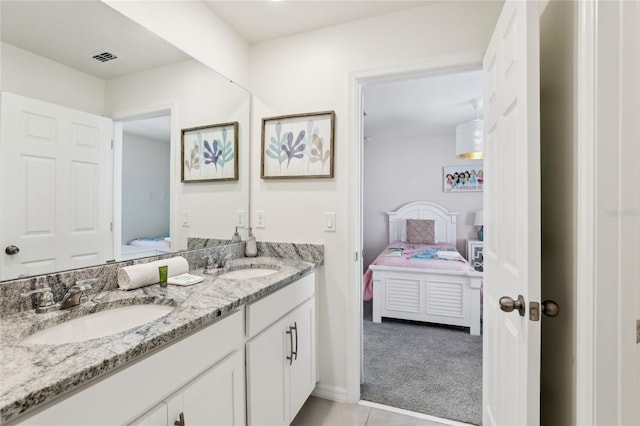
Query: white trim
point(332, 393)
point(356, 81)
point(586, 317)
point(354, 344)
point(412, 414)
point(150, 111)
point(116, 228)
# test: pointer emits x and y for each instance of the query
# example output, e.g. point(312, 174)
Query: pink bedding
point(441, 256)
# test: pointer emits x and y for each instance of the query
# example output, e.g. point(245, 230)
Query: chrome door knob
point(507, 304)
point(11, 250)
point(550, 308)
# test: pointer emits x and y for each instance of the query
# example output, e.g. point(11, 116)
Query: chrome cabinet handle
point(295, 328)
point(180, 422)
point(290, 357)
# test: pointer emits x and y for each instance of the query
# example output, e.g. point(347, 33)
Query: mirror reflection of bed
point(422, 343)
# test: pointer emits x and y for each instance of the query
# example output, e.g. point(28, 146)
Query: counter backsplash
point(11, 301)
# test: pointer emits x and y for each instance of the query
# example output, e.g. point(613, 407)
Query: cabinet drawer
point(266, 311)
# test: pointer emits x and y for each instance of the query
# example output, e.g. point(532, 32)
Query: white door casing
point(511, 346)
point(58, 209)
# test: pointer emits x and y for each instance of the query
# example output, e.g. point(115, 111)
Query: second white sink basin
point(99, 324)
point(241, 274)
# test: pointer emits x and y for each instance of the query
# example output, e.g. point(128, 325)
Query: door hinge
point(111, 226)
point(111, 143)
point(355, 256)
point(638, 331)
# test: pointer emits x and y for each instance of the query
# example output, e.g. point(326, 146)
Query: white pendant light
point(469, 137)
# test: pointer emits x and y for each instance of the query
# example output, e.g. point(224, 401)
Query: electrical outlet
point(240, 218)
point(260, 219)
point(329, 222)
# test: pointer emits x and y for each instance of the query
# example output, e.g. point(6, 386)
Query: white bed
point(428, 295)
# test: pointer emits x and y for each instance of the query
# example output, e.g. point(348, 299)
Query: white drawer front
point(266, 311)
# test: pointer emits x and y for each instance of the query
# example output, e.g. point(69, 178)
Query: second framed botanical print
point(298, 146)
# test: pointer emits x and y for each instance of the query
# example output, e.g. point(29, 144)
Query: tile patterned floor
point(322, 412)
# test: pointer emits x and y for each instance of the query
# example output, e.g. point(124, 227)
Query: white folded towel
point(449, 255)
point(136, 276)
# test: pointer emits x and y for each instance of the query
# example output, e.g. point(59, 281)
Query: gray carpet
point(427, 368)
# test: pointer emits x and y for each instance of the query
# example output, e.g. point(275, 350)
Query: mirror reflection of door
point(57, 205)
point(145, 188)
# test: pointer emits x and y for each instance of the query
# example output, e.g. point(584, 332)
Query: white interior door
point(511, 371)
point(57, 208)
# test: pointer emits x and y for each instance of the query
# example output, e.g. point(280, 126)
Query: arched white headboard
point(445, 221)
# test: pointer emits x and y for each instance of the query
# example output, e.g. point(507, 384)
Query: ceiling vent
point(104, 56)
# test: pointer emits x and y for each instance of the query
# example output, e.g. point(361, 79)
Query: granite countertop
point(32, 374)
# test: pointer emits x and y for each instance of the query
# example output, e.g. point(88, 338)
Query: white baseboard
point(332, 393)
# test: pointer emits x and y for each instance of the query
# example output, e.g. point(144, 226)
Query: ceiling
point(427, 107)
point(156, 128)
point(52, 28)
point(258, 21)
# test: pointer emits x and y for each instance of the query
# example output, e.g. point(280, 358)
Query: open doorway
point(143, 208)
point(416, 360)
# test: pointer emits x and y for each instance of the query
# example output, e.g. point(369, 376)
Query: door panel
point(511, 391)
point(58, 210)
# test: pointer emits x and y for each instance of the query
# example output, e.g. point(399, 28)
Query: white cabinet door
point(281, 367)
point(154, 417)
point(266, 376)
point(214, 398)
point(302, 371)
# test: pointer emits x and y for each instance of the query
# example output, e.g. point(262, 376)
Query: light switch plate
point(240, 218)
point(260, 219)
point(329, 222)
point(186, 218)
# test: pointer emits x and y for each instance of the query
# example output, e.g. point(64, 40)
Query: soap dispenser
point(236, 237)
point(251, 249)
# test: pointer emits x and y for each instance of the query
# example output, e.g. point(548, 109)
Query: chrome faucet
point(73, 297)
point(76, 294)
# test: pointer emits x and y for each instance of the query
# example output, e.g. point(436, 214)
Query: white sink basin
point(99, 324)
point(241, 274)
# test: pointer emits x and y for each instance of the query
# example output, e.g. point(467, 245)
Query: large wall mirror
point(92, 110)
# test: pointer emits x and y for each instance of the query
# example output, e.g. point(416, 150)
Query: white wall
point(617, 214)
point(145, 196)
point(200, 97)
point(412, 173)
point(310, 72)
point(34, 76)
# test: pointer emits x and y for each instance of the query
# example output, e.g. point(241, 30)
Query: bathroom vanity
point(232, 351)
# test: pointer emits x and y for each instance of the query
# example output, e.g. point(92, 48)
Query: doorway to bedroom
point(142, 199)
point(412, 360)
